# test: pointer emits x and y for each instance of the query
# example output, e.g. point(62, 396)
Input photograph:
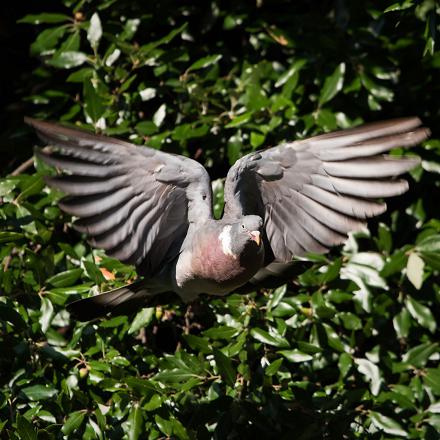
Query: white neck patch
point(226, 241)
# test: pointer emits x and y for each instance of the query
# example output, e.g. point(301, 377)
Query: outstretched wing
point(312, 192)
point(134, 202)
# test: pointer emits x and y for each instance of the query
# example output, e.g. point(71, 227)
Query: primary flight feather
point(154, 210)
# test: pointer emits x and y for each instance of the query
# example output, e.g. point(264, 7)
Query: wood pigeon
point(154, 209)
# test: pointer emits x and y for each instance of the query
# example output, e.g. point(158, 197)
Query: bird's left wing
point(312, 192)
point(134, 202)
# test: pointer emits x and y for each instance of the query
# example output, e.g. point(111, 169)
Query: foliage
point(349, 349)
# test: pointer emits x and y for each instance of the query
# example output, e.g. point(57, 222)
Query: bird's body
point(154, 210)
point(210, 263)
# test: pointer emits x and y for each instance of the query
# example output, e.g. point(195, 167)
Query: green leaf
point(263, 336)
point(345, 362)
point(332, 85)
point(372, 374)
point(225, 368)
point(164, 425)
point(296, 355)
point(380, 92)
point(414, 270)
point(239, 120)
point(394, 264)
point(204, 62)
point(429, 244)
point(333, 339)
point(276, 296)
point(418, 356)
point(7, 237)
point(273, 367)
point(293, 70)
point(175, 375)
point(399, 6)
point(154, 403)
point(79, 76)
point(25, 429)
point(66, 278)
point(94, 104)
point(387, 424)
point(6, 186)
point(39, 392)
point(350, 321)
point(73, 422)
point(69, 59)
point(402, 323)
point(198, 343)
point(306, 347)
point(257, 139)
point(142, 319)
point(47, 314)
point(135, 420)
point(45, 17)
point(48, 39)
point(432, 379)
point(31, 186)
point(421, 314)
point(93, 272)
point(146, 128)
point(178, 429)
point(222, 332)
point(384, 240)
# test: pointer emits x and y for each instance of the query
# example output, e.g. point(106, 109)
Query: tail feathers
point(121, 301)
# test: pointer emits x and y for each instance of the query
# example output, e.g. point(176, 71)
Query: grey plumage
point(153, 209)
point(328, 181)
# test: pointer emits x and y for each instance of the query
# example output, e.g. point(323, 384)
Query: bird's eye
point(242, 226)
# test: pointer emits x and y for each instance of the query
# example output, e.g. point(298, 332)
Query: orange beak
point(255, 236)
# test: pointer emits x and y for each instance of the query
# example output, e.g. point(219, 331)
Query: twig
point(23, 167)
point(187, 318)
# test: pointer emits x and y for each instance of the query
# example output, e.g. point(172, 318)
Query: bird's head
point(241, 236)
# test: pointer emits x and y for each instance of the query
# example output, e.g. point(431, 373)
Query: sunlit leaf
point(414, 270)
point(387, 424)
point(372, 374)
point(204, 62)
point(142, 319)
point(333, 84)
point(94, 33)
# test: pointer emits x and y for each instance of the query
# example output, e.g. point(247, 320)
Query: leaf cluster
point(347, 349)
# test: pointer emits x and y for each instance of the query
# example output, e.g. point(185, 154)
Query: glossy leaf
point(225, 367)
point(421, 314)
point(387, 424)
point(333, 84)
point(73, 422)
point(142, 319)
point(204, 62)
point(414, 270)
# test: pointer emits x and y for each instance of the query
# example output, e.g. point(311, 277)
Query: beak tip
point(256, 237)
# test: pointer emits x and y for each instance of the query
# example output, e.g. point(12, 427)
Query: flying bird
point(154, 209)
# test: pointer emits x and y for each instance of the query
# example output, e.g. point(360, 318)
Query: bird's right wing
point(134, 202)
point(312, 192)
